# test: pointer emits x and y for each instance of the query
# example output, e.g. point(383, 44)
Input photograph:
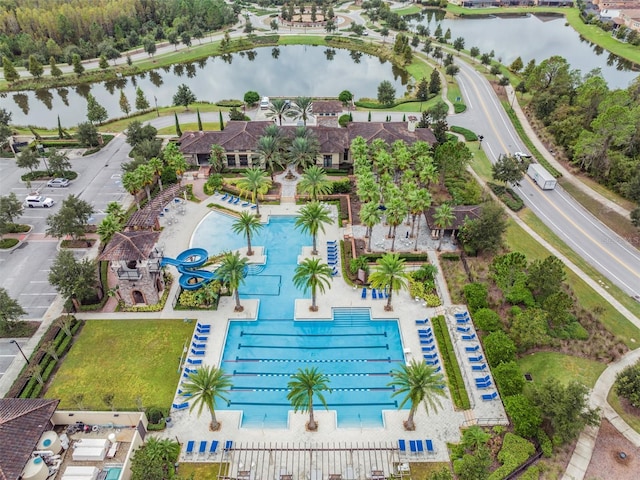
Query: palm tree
point(443, 219)
point(216, 160)
point(163, 450)
point(108, 228)
point(311, 219)
point(255, 181)
point(205, 386)
point(278, 109)
point(390, 274)
point(419, 383)
point(312, 274)
point(146, 175)
point(301, 109)
point(232, 272)
point(396, 211)
point(156, 164)
point(314, 182)
point(304, 384)
point(370, 216)
point(247, 224)
point(269, 150)
point(116, 211)
point(419, 201)
point(132, 184)
point(303, 151)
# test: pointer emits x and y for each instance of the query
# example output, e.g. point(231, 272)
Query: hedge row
point(468, 135)
point(62, 343)
point(451, 366)
point(508, 196)
point(410, 257)
point(41, 174)
point(514, 452)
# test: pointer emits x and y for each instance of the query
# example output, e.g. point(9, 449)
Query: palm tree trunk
point(440, 242)
point(314, 308)
point(214, 421)
point(257, 207)
point(393, 239)
point(409, 424)
point(312, 421)
point(413, 223)
point(146, 189)
point(415, 247)
point(390, 227)
point(369, 242)
point(389, 307)
point(238, 306)
point(249, 251)
point(159, 182)
point(315, 249)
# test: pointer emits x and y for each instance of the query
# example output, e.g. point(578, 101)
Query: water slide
point(188, 263)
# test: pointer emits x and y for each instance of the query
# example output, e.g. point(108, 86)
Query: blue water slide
point(187, 264)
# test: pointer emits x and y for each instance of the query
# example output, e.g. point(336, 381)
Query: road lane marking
point(552, 204)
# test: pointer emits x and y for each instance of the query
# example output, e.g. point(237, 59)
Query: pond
point(531, 37)
point(299, 70)
point(290, 71)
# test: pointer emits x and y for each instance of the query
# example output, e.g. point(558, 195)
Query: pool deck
point(441, 427)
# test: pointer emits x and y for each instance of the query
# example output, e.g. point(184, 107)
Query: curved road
point(602, 248)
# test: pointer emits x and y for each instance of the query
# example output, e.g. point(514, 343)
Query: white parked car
point(33, 201)
point(521, 155)
point(58, 182)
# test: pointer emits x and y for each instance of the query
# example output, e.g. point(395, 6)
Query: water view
point(318, 71)
point(294, 70)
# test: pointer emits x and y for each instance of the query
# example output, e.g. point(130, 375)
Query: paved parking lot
point(8, 351)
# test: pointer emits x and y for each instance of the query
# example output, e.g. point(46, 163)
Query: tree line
point(48, 28)
point(597, 128)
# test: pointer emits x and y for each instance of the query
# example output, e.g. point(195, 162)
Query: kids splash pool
point(354, 351)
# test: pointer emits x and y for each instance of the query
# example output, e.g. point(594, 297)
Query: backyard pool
point(354, 351)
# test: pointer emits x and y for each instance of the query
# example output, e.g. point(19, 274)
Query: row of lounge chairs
point(198, 349)
point(333, 256)
point(202, 447)
point(233, 200)
point(416, 446)
point(375, 294)
point(428, 347)
point(474, 355)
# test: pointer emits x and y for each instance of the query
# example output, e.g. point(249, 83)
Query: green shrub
point(520, 295)
point(155, 414)
point(463, 189)
point(341, 186)
point(509, 379)
point(531, 473)
point(451, 257)
point(451, 366)
point(545, 443)
point(213, 184)
point(487, 320)
point(525, 416)
point(508, 196)
point(468, 135)
point(432, 300)
point(459, 107)
point(156, 427)
point(514, 452)
point(476, 296)
point(8, 243)
point(499, 348)
point(343, 120)
point(576, 331)
point(627, 384)
point(16, 228)
point(41, 174)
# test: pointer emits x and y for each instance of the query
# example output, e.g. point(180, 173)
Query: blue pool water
point(355, 352)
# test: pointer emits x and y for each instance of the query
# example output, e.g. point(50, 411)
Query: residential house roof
point(131, 245)
point(22, 423)
point(460, 212)
point(327, 107)
point(236, 136)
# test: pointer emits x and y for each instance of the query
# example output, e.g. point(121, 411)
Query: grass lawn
point(518, 240)
point(543, 365)
point(203, 471)
point(127, 358)
point(632, 420)
point(189, 127)
point(424, 469)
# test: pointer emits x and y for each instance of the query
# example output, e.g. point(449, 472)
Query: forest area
point(597, 128)
point(94, 28)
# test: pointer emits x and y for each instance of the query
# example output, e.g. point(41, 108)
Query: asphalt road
point(24, 271)
point(614, 257)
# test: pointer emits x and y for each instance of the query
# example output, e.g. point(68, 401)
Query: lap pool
point(354, 351)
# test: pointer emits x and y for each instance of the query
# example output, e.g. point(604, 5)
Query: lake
point(298, 70)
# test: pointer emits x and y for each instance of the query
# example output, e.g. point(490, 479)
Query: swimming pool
point(354, 351)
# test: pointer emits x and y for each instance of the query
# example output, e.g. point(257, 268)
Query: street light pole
point(20, 349)
point(155, 99)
